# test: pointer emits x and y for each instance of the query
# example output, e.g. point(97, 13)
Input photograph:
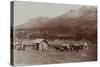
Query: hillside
point(33, 23)
point(83, 19)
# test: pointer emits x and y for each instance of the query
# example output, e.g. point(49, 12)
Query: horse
point(59, 48)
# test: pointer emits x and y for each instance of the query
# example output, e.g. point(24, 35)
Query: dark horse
point(59, 48)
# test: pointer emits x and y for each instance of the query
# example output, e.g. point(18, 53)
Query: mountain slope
point(33, 23)
point(82, 19)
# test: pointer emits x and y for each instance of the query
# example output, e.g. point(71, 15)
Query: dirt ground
point(51, 56)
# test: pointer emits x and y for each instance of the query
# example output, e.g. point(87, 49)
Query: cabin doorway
point(37, 46)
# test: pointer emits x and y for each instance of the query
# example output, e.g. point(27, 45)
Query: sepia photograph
point(51, 33)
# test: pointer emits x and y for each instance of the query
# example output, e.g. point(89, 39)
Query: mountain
point(82, 19)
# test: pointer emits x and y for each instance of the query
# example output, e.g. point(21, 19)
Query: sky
point(24, 11)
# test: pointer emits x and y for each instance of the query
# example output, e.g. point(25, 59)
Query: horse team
point(68, 47)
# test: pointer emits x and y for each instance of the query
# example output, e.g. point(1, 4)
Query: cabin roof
point(32, 42)
point(38, 40)
point(28, 42)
